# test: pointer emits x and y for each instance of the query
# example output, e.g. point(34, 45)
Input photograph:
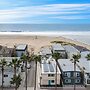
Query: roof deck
point(67, 65)
point(70, 48)
point(58, 47)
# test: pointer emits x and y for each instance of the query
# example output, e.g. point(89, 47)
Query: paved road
point(31, 75)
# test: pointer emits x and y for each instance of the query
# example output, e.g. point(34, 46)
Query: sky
point(45, 11)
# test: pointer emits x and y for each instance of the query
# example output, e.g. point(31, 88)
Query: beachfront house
point(5, 51)
point(8, 72)
point(84, 65)
point(45, 51)
point(47, 75)
point(67, 72)
point(59, 48)
point(70, 50)
point(21, 49)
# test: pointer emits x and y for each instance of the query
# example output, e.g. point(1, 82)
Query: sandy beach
point(35, 42)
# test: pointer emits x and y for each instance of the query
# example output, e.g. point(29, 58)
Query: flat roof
point(21, 47)
point(83, 62)
point(44, 51)
point(84, 54)
point(49, 68)
point(81, 48)
point(57, 47)
point(70, 48)
point(67, 65)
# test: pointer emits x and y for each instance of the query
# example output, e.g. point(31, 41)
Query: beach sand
point(35, 42)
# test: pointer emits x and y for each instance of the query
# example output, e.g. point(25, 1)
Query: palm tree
point(36, 58)
point(75, 60)
point(15, 63)
point(88, 56)
point(56, 56)
point(25, 59)
point(3, 63)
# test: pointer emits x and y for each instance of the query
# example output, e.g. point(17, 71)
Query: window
point(67, 74)
point(67, 80)
point(52, 81)
point(77, 81)
point(50, 75)
point(5, 75)
point(78, 74)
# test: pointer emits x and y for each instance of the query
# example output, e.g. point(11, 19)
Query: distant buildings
point(45, 51)
point(70, 50)
point(59, 48)
point(21, 49)
point(5, 51)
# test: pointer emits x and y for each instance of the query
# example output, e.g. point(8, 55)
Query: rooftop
point(57, 47)
point(81, 48)
point(83, 62)
point(49, 68)
point(70, 48)
point(45, 51)
point(21, 47)
point(67, 65)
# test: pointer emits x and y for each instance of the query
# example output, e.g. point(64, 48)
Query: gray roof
point(70, 48)
point(83, 62)
point(21, 47)
point(45, 51)
point(84, 54)
point(67, 65)
point(57, 47)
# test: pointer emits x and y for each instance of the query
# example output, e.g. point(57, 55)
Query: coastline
point(35, 41)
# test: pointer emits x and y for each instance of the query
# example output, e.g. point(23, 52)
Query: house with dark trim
point(67, 72)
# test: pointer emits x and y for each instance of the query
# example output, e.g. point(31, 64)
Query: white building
point(21, 49)
point(70, 50)
point(67, 72)
point(47, 75)
point(59, 48)
point(84, 65)
point(8, 72)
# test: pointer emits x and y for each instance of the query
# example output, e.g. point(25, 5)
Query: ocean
point(43, 27)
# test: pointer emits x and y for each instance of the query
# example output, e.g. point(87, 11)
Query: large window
point(67, 80)
point(77, 81)
point(52, 81)
point(67, 74)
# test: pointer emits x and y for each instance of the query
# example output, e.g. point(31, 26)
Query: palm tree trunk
point(2, 76)
point(15, 77)
point(74, 75)
point(35, 74)
point(26, 75)
point(56, 77)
